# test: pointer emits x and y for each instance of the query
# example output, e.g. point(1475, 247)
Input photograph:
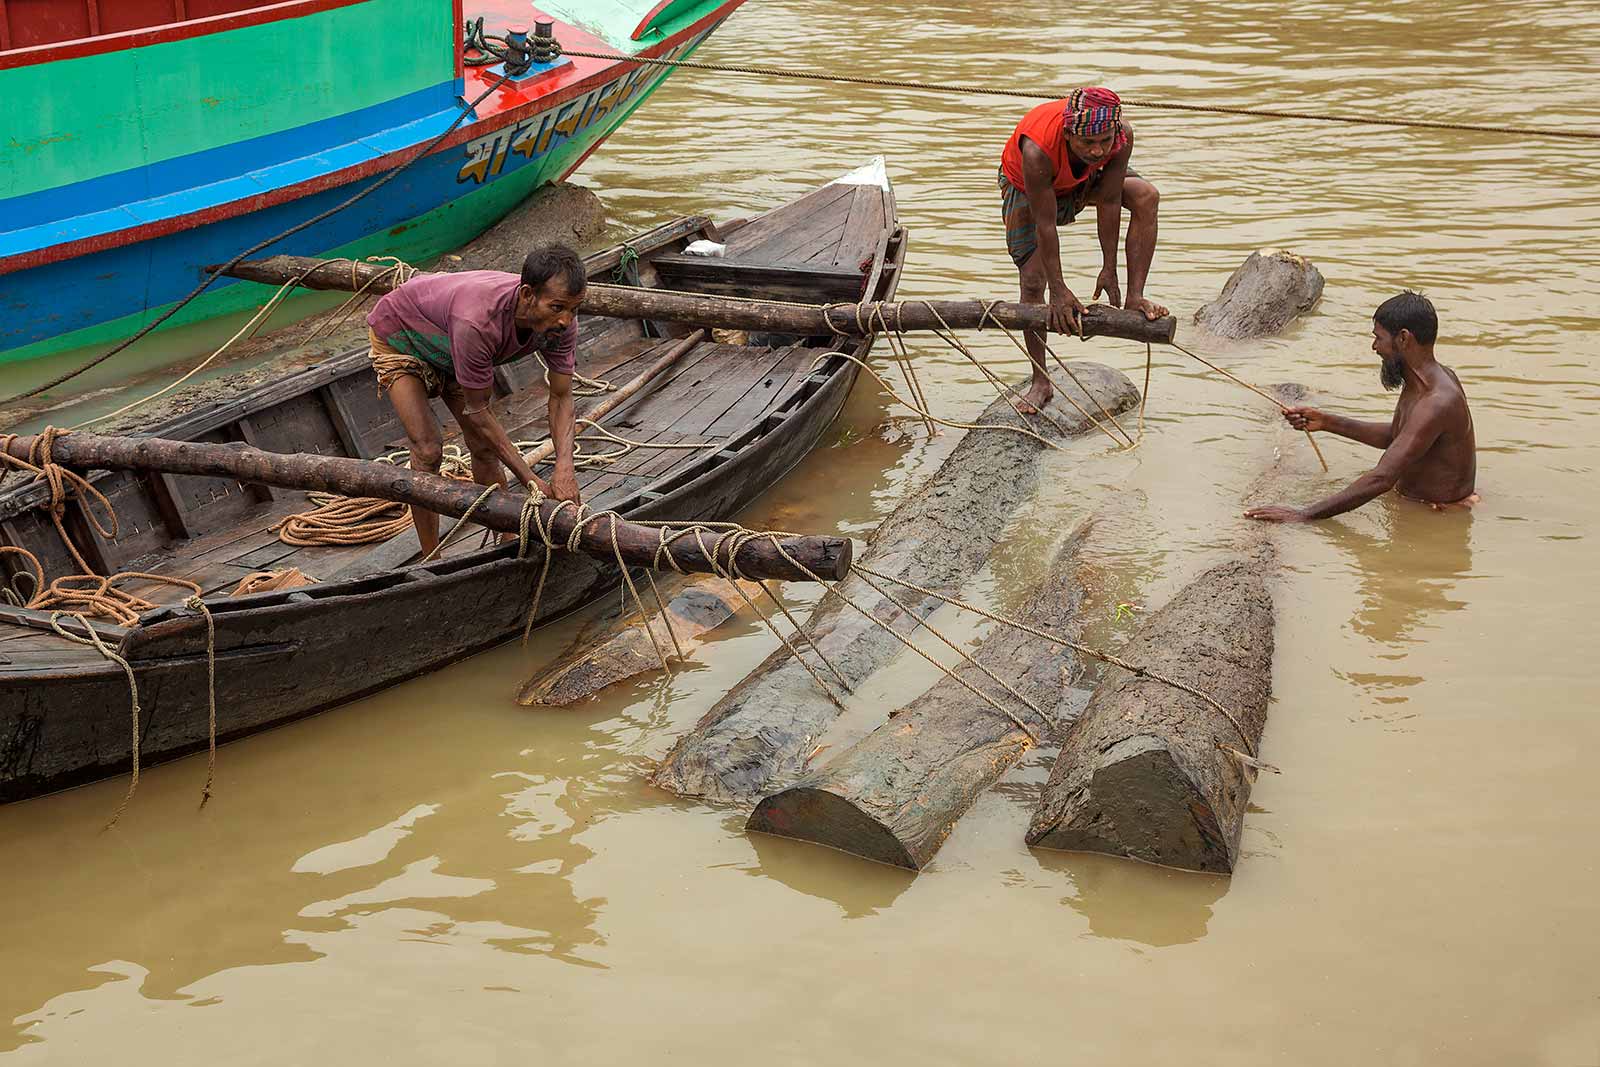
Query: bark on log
point(1269, 290)
point(896, 794)
point(755, 739)
point(621, 649)
point(734, 313)
point(828, 557)
point(1140, 773)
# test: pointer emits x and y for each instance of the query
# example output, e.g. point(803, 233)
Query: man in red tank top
point(1062, 156)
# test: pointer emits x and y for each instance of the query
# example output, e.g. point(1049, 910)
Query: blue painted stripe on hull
point(199, 174)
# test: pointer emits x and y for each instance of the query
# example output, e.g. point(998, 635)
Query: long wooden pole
point(736, 313)
point(826, 557)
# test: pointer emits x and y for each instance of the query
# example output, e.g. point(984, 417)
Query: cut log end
point(825, 818)
point(1144, 804)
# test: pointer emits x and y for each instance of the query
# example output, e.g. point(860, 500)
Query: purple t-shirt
point(464, 323)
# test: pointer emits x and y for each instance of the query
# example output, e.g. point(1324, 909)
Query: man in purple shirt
point(441, 335)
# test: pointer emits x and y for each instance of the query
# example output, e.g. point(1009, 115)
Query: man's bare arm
point(1108, 221)
point(475, 414)
point(1039, 185)
point(564, 479)
point(1376, 434)
point(1421, 431)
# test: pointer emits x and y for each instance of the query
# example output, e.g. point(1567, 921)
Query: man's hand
point(1274, 513)
point(1107, 283)
point(1064, 309)
point(1149, 308)
point(1305, 418)
point(563, 485)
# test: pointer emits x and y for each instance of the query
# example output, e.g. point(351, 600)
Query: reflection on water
point(860, 888)
point(436, 875)
point(1407, 572)
point(1125, 901)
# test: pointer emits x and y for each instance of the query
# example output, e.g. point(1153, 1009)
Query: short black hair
point(1409, 311)
point(555, 261)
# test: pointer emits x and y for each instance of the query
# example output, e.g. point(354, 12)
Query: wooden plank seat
point(723, 276)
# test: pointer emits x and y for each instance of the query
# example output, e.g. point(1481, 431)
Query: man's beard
point(1393, 372)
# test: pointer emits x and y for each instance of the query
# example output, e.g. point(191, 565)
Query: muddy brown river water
point(437, 875)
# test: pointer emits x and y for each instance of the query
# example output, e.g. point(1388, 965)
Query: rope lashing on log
point(1021, 347)
point(1032, 94)
point(1281, 406)
point(1093, 653)
point(58, 479)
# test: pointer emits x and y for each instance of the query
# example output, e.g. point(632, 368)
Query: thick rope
point(1153, 105)
point(988, 314)
point(58, 480)
point(272, 581)
point(1023, 430)
point(1093, 653)
point(133, 695)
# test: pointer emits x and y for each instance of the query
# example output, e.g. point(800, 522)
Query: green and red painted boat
point(149, 138)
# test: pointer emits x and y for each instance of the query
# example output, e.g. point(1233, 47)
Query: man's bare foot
point(1149, 308)
point(1037, 396)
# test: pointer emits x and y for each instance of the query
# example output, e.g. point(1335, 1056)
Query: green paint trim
point(110, 112)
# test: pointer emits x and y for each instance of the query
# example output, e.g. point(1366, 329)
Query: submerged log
point(1269, 290)
point(896, 794)
point(623, 649)
point(755, 739)
point(1142, 772)
point(736, 313)
point(827, 557)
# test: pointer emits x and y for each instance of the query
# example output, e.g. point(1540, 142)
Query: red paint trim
point(457, 24)
point(488, 123)
point(5, 28)
point(644, 23)
point(116, 42)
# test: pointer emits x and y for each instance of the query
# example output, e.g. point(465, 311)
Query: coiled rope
point(88, 595)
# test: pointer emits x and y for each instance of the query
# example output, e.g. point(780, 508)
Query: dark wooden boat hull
point(281, 656)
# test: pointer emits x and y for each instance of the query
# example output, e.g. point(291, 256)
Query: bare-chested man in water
point(1429, 452)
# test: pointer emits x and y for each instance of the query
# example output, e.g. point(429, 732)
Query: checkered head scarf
point(1093, 111)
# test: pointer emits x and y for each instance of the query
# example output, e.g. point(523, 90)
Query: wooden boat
point(152, 137)
point(756, 409)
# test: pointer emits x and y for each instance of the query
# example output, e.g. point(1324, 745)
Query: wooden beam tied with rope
point(687, 547)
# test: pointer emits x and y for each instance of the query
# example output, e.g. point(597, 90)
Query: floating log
point(827, 557)
point(735, 313)
point(622, 648)
point(1270, 289)
point(896, 794)
point(1143, 773)
point(754, 740)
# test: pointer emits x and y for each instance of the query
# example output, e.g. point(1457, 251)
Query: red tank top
point(1044, 126)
